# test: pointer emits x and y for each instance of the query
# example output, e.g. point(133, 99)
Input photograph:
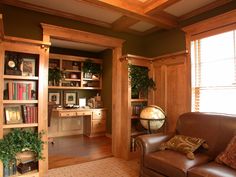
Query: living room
point(161, 43)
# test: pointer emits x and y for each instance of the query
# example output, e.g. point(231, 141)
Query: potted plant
point(54, 76)
point(19, 140)
point(140, 81)
point(89, 68)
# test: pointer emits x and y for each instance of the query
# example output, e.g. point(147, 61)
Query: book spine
point(28, 114)
point(10, 90)
point(29, 91)
point(24, 113)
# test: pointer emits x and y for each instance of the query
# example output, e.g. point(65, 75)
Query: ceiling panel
point(141, 26)
point(79, 8)
point(76, 45)
point(185, 6)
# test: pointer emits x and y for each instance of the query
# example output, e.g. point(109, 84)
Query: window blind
point(213, 72)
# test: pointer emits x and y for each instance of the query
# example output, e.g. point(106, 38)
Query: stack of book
point(29, 114)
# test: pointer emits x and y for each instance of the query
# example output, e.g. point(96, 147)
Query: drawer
point(84, 113)
point(99, 114)
point(67, 114)
point(98, 126)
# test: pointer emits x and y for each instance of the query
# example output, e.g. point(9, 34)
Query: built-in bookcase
point(23, 92)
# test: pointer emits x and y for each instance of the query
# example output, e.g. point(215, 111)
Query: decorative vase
point(10, 169)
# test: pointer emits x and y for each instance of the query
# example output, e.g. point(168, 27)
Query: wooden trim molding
point(26, 41)
point(222, 20)
point(80, 36)
point(170, 55)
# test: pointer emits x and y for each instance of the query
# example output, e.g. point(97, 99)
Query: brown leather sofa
point(216, 129)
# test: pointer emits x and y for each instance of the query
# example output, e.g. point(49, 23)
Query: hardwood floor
point(76, 149)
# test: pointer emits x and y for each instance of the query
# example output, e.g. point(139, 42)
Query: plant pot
point(88, 75)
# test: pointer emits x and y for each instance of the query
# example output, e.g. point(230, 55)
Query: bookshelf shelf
point(20, 77)
point(20, 101)
point(73, 88)
point(85, 79)
point(72, 79)
point(139, 100)
point(71, 70)
point(20, 125)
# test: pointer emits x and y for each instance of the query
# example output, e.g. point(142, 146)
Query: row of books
point(20, 90)
point(29, 114)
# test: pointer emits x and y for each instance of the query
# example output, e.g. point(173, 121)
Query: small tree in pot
point(140, 81)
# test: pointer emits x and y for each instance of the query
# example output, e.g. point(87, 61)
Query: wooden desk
point(93, 122)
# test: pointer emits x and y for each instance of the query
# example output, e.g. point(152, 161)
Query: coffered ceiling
point(133, 16)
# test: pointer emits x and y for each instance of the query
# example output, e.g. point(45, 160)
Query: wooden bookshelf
point(20, 50)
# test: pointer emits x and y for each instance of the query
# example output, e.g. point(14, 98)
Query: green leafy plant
point(19, 140)
point(54, 74)
point(90, 67)
point(140, 81)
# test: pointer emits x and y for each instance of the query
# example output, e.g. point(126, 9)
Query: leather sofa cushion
point(172, 163)
point(212, 169)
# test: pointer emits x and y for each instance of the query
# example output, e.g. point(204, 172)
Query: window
point(213, 67)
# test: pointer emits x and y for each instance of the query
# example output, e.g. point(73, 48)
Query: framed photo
point(13, 114)
point(55, 96)
point(28, 67)
point(70, 98)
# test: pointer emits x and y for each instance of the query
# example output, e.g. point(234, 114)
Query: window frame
point(212, 26)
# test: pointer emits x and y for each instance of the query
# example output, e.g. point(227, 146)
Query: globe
point(154, 116)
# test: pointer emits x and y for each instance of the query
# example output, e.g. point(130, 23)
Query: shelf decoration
point(89, 68)
point(54, 76)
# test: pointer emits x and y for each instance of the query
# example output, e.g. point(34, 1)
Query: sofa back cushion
point(216, 129)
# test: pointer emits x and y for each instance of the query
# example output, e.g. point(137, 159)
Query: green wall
point(164, 42)
point(106, 92)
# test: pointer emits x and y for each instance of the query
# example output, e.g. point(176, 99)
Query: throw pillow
point(184, 144)
point(228, 156)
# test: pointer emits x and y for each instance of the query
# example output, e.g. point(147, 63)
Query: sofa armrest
point(150, 143)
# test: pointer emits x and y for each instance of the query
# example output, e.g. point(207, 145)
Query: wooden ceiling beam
point(133, 12)
point(155, 6)
point(123, 23)
point(206, 8)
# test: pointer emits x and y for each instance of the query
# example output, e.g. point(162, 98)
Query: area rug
point(108, 167)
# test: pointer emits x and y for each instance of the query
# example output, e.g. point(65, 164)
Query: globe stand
point(149, 123)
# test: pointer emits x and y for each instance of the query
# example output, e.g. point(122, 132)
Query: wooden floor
point(76, 149)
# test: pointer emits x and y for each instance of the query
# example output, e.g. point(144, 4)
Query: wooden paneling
point(172, 88)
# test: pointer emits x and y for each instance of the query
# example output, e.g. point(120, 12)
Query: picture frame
point(28, 67)
point(70, 98)
point(13, 114)
point(55, 96)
